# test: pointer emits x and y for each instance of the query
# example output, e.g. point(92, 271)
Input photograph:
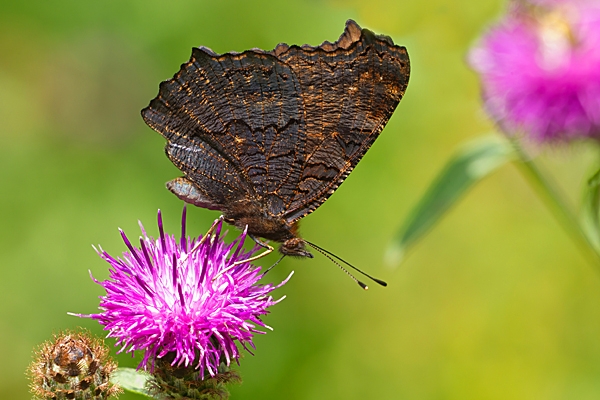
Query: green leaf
point(474, 160)
point(590, 221)
point(131, 380)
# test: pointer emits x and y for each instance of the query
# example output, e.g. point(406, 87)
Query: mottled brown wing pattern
point(234, 125)
point(267, 137)
point(350, 89)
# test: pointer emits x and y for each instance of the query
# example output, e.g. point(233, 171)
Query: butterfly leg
point(262, 244)
point(272, 266)
point(202, 240)
point(247, 260)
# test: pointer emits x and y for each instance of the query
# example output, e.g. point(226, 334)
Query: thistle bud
point(74, 365)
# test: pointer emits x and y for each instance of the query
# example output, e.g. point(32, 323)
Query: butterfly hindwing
point(234, 125)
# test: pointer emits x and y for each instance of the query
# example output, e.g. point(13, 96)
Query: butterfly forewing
point(349, 95)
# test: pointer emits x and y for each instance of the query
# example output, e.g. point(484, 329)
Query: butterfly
point(266, 137)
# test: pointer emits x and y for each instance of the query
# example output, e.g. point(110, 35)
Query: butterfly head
point(295, 247)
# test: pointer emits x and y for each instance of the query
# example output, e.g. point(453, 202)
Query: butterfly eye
point(295, 247)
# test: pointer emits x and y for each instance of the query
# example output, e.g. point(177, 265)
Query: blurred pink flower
point(540, 69)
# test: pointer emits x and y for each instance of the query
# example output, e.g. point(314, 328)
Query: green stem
point(558, 205)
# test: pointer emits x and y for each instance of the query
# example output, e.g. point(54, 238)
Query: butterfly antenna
point(361, 284)
point(329, 255)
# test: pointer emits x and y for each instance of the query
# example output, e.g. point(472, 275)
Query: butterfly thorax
point(244, 213)
point(260, 224)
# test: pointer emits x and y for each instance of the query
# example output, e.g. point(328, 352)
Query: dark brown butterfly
point(266, 137)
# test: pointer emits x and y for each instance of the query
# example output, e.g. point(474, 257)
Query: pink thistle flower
point(540, 69)
point(173, 297)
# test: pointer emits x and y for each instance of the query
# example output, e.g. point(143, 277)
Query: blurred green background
point(496, 303)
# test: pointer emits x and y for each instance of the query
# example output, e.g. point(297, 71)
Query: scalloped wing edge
point(352, 34)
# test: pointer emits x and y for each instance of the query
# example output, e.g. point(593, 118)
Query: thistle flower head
point(187, 299)
point(540, 69)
